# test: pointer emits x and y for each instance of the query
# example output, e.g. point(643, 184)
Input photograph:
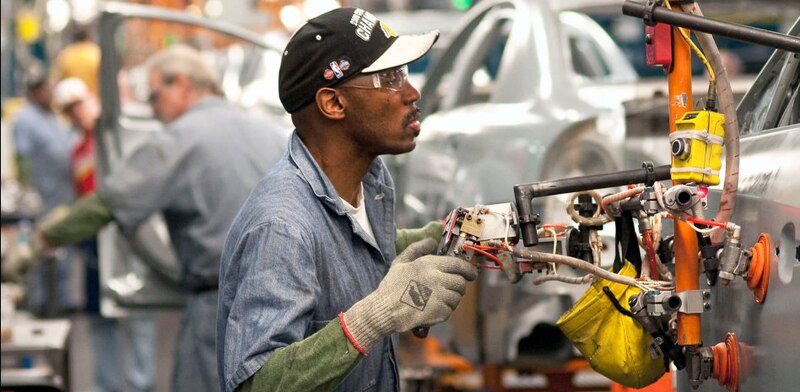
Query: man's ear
point(331, 103)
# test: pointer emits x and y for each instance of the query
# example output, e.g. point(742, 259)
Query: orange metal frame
point(687, 268)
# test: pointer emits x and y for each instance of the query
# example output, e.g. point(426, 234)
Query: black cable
point(616, 304)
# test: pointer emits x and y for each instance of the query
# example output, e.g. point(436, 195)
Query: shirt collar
point(206, 102)
point(319, 182)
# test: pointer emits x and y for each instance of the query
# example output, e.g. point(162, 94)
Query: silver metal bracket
point(694, 301)
point(744, 262)
point(699, 365)
point(660, 302)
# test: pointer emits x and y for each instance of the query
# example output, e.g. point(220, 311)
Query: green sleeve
point(24, 170)
point(406, 237)
point(85, 218)
point(317, 363)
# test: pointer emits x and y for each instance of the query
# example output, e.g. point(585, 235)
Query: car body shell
point(543, 119)
point(485, 131)
point(767, 201)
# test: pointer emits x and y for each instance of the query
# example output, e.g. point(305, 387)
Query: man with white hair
point(197, 173)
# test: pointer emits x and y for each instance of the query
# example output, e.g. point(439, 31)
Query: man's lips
point(415, 126)
point(412, 120)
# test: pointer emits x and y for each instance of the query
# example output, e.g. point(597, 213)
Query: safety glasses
point(392, 79)
point(156, 93)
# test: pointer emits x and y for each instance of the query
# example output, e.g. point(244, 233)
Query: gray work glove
point(17, 263)
point(22, 257)
point(420, 289)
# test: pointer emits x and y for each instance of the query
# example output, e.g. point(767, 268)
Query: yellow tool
point(697, 147)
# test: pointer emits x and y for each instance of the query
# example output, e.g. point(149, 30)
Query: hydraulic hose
point(727, 106)
point(651, 253)
point(542, 257)
point(620, 196)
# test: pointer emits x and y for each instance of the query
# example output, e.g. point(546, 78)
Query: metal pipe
point(595, 181)
point(706, 25)
point(525, 193)
point(687, 267)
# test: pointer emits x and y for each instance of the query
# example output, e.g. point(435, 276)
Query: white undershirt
point(359, 213)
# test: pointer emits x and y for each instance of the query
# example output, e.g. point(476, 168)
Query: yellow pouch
point(615, 345)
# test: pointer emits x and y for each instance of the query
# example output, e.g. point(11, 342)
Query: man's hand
point(25, 254)
point(21, 257)
point(420, 289)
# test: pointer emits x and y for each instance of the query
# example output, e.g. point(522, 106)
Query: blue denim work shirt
point(46, 143)
point(294, 259)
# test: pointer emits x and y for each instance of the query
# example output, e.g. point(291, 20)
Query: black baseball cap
point(338, 45)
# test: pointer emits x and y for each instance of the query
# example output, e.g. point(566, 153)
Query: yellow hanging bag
point(615, 344)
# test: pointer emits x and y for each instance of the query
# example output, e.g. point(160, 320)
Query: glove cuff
point(406, 237)
point(368, 321)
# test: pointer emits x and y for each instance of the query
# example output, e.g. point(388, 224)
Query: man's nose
point(410, 93)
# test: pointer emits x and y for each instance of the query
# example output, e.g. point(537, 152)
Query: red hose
point(706, 222)
point(651, 254)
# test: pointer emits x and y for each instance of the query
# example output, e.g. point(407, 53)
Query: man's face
point(168, 98)
point(43, 96)
point(384, 120)
point(84, 113)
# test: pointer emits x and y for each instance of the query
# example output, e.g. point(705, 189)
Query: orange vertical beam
point(687, 268)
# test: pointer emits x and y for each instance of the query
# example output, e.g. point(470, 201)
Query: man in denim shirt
point(312, 293)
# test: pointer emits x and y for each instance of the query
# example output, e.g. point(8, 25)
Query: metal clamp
point(649, 9)
point(699, 365)
point(694, 301)
point(649, 201)
point(733, 260)
point(650, 173)
point(656, 303)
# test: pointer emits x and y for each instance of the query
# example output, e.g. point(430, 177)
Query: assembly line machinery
point(668, 300)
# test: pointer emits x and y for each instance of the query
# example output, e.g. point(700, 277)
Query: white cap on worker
point(69, 91)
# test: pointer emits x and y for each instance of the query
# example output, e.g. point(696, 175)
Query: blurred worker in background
point(72, 97)
point(80, 59)
point(43, 145)
point(732, 62)
point(197, 173)
point(310, 281)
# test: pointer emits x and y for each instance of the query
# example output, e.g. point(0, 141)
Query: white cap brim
point(405, 49)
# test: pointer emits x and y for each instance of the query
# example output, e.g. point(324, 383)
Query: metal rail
point(712, 26)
